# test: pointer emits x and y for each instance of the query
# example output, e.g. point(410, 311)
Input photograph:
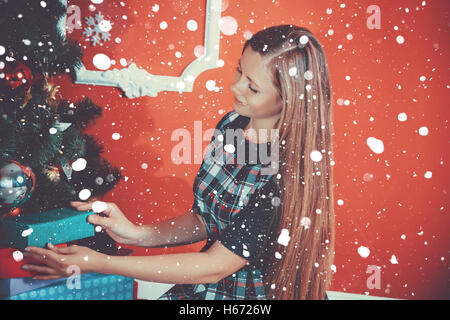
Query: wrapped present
point(55, 226)
point(15, 286)
point(91, 286)
point(12, 260)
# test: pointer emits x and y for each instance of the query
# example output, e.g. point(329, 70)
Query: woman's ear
point(279, 103)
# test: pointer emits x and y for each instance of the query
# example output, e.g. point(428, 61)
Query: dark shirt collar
point(255, 153)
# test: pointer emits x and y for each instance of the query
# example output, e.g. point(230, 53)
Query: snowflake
point(98, 29)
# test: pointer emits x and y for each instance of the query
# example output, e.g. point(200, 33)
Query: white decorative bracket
point(137, 82)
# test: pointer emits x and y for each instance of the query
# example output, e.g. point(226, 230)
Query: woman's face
point(255, 96)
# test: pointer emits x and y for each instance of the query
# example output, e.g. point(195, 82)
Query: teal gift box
point(14, 286)
point(91, 286)
point(55, 226)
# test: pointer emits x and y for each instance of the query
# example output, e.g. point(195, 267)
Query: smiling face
point(255, 96)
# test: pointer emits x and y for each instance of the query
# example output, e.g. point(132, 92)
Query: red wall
point(389, 206)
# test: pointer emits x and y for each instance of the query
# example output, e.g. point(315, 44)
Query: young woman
point(270, 235)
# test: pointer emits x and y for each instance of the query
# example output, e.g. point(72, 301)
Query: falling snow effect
point(228, 25)
point(27, 232)
point(99, 206)
point(84, 194)
point(363, 251)
point(284, 237)
point(101, 61)
point(79, 164)
point(375, 145)
point(17, 256)
point(343, 43)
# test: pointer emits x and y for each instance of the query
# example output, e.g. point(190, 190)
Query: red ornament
point(17, 183)
point(15, 78)
point(15, 212)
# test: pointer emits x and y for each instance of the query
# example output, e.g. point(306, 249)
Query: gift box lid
point(55, 226)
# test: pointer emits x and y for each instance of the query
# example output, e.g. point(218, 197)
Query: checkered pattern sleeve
point(249, 234)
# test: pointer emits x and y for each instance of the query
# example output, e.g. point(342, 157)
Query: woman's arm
point(198, 267)
point(185, 229)
point(184, 268)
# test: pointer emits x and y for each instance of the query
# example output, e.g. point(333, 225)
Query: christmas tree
point(42, 144)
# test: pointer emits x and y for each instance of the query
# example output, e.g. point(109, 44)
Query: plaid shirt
point(235, 201)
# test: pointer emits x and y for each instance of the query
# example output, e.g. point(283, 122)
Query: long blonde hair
point(300, 72)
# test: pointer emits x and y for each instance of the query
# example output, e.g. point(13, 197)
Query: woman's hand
point(114, 222)
point(54, 263)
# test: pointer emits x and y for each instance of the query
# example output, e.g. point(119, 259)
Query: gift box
point(15, 286)
point(92, 286)
point(11, 262)
point(55, 226)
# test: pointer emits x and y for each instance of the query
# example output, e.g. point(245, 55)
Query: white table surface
point(152, 291)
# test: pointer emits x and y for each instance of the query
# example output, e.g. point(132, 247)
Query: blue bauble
point(17, 183)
